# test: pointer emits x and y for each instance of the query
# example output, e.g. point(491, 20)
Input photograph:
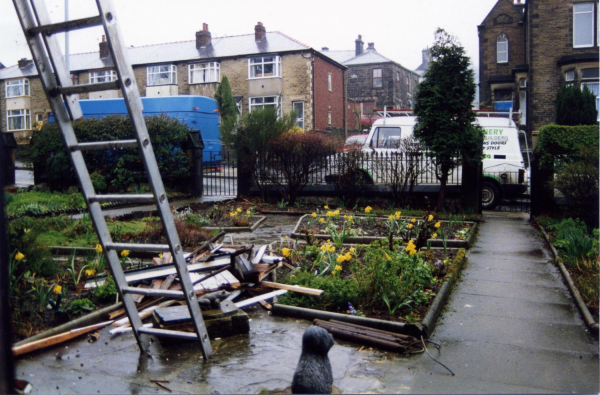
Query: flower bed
point(365, 229)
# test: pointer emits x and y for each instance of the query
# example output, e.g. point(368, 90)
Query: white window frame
point(170, 70)
point(259, 102)
point(257, 65)
point(378, 78)
point(570, 76)
point(591, 81)
point(329, 117)
point(206, 72)
point(97, 77)
point(11, 115)
point(299, 117)
point(22, 85)
point(329, 81)
point(577, 15)
point(502, 53)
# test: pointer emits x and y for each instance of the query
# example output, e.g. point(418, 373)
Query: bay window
point(103, 76)
point(17, 88)
point(18, 120)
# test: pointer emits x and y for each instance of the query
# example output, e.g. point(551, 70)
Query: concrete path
point(511, 325)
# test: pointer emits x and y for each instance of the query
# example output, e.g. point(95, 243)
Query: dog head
point(316, 340)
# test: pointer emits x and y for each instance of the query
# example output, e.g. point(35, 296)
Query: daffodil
point(434, 235)
point(352, 250)
point(391, 217)
point(98, 248)
point(330, 214)
point(338, 268)
point(350, 218)
point(321, 220)
point(90, 272)
point(125, 253)
point(248, 212)
point(239, 210)
point(340, 258)
point(326, 207)
point(232, 214)
point(285, 252)
point(347, 256)
point(314, 215)
point(337, 212)
point(160, 255)
point(410, 226)
point(437, 225)
point(430, 218)
point(57, 289)
point(413, 220)
point(368, 209)
point(19, 256)
point(389, 258)
point(398, 214)
point(345, 216)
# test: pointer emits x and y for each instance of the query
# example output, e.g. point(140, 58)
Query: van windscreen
point(386, 137)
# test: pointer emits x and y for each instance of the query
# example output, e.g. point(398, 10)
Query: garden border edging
point(585, 312)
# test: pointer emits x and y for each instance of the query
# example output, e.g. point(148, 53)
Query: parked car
point(354, 142)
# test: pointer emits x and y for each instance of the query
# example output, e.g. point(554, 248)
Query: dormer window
point(17, 88)
point(502, 49)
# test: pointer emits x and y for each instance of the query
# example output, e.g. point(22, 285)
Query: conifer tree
point(228, 110)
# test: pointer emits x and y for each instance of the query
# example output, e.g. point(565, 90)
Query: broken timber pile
point(372, 337)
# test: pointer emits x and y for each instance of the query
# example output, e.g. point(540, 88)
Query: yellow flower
point(350, 218)
point(160, 255)
point(389, 258)
point(125, 253)
point(337, 212)
point(248, 212)
point(410, 226)
point(331, 249)
point(232, 214)
point(330, 214)
point(338, 268)
point(368, 209)
point(324, 247)
point(434, 235)
point(314, 215)
point(90, 272)
point(413, 220)
point(285, 252)
point(398, 214)
point(98, 248)
point(326, 207)
point(430, 218)
point(345, 216)
point(340, 258)
point(352, 250)
point(239, 210)
point(57, 289)
point(321, 220)
point(347, 256)
point(19, 256)
point(437, 225)
point(391, 217)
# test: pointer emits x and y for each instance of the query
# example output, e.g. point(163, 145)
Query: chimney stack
point(359, 45)
point(259, 31)
point(325, 49)
point(371, 47)
point(203, 36)
point(24, 62)
point(104, 51)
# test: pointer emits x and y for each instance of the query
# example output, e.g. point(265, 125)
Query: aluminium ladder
point(64, 102)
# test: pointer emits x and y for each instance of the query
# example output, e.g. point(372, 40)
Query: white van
point(503, 165)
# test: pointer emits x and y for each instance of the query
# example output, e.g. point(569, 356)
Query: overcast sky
point(400, 29)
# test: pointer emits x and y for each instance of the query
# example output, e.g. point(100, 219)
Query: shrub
point(575, 106)
point(293, 158)
point(560, 145)
point(80, 307)
point(23, 234)
point(98, 181)
point(107, 290)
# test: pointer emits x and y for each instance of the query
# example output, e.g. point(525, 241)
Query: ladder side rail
point(134, 106)
point(56, 58)
point(49, 81)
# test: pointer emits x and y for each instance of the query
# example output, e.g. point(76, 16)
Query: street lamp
point(351, 77)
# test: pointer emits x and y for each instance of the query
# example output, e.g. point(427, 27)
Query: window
point(162, 75)
point(329, 82)
point(17, 88)
point(204, 72)
point(265, 101)
point(298, 107)
point(377, 79)
point(522, 83)
point(103, 76)
point(570, 76)
point(266, 66)
point(18, 120)
point(329, 118)
point(589, 79)
point(583, 25)
point(386, 137)
point(502, 49)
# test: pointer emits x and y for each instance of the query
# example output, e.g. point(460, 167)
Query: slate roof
point(367, 57)
point(220, 47)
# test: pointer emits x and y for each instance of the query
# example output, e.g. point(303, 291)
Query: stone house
point(528, 50)
point(264, 69)
point(373, 82)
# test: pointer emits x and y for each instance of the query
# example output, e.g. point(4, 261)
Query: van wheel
point(490, 195)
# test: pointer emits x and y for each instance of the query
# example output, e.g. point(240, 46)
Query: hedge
point(115, 169)
point(563, 144)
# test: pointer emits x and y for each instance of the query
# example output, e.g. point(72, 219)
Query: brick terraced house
point(374, 81)
point(527, 51)
point(264, 69)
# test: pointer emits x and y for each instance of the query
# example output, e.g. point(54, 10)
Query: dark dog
point(313, 373)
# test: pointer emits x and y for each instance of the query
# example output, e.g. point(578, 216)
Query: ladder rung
point(67, 25)
point(154, 292)
point(168, 333)
point(139, 198)
point(85, 88)
point(138, 247)
point(98, 145)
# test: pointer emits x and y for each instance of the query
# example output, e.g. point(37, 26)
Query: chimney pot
point(203, 37)
point(371, 47)
point(24, 62)
point(104, 50)
point(259, 31)
point(325, 49)
point(359, 45)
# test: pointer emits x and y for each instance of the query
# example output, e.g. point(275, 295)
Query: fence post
point(8, 149)
point(244, 175)
point(542, 194)
point(194, 147)
point(471, 187)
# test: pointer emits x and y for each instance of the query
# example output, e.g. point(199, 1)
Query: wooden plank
point(137, 298)
point(259, 254)
point(258, 298)
point(157, 283)
point(56, 339)
point(144, 313)
point(266, 305)
point(168, 282)
point(294, 288)
point(166, 258)
point(233, 282)
point(271, 269)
